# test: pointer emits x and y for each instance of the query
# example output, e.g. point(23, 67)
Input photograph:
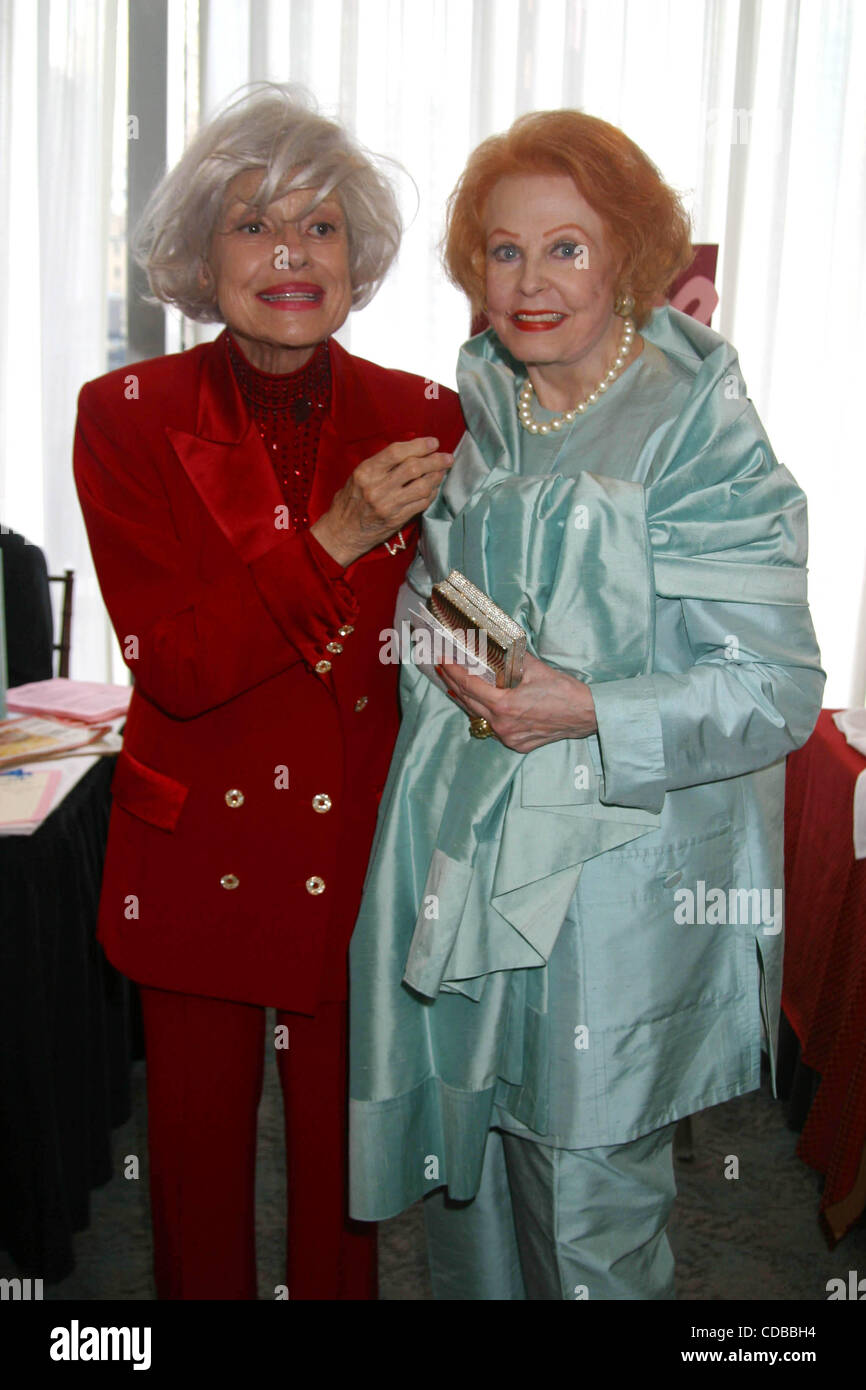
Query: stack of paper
point(26, 798)
point(88, 702)
point(23, 739)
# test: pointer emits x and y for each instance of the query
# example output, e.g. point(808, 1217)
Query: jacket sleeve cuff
point(305, 593)
point(325, 562)
point(631, 743)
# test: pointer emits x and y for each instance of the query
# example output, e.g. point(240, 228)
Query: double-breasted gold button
point(346, 630)
point(229, 881)
point(361, 703)
point(323, 667)
point(322, 803)
point(335, 647)
point(315, 885)
point(234, 798)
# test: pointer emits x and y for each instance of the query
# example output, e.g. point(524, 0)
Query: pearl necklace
point(524, 400)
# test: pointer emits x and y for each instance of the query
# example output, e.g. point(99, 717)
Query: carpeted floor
point(751, 1237)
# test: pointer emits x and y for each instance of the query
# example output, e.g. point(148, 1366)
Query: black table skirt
point(64, 1031)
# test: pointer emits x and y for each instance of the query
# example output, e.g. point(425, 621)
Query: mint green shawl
point(479, 850)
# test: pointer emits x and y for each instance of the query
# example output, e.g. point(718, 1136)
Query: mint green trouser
point(552, 1223)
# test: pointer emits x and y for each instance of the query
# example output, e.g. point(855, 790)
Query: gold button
point(361, 703)
point(315, 885)
point(229, 881)
point(322, 803)
point(346, 630)
point(234, 798)
point(322, 667)
point(336, 647)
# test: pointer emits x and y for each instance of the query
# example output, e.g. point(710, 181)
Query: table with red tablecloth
point(824, 989)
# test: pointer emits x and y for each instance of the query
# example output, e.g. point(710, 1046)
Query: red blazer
point(262, 720)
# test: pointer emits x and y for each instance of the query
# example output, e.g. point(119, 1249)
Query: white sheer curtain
point(752, 108)
point(56, 114)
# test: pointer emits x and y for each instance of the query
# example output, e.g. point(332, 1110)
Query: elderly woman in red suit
point(250, 505)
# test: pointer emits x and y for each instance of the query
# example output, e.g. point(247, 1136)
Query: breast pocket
point(655, 937)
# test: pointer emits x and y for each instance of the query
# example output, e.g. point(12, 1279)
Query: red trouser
point(205, 1065)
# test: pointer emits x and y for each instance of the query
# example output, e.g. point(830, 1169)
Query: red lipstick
point(294, 295)
point(536, 320)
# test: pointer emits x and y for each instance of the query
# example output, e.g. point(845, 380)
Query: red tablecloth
point(824, 989)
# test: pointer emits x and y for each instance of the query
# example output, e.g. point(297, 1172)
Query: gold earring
point(623, 305)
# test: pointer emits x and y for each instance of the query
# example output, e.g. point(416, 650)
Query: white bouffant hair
point(275, 128)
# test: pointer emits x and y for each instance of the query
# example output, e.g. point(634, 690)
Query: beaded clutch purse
point(491, 642)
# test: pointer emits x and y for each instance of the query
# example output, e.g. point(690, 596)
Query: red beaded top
point(288, 410)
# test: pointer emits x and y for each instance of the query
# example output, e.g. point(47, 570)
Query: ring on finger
point(479, 727)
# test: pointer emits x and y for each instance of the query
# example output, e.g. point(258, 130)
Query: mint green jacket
point(583, 943)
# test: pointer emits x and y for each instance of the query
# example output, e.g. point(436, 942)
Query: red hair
point(645, 220)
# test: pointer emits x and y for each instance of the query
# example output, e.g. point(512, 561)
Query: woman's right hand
point(383, 493)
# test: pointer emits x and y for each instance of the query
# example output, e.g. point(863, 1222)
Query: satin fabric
point(547, 1224)
point(517, 960)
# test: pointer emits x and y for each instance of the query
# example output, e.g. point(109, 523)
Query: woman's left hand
point(547, 704)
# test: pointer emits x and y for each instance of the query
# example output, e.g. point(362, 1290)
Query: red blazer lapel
point(228, 465)
point(226, 461)
point(354, 429)
point(357, 426)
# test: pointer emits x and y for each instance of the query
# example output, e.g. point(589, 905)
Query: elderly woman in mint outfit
point(543, 979)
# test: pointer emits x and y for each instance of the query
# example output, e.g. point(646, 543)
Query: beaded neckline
point(299, 392)
point(288, 411)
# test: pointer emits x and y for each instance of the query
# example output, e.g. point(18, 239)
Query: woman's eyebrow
point(240, 207)
point(333, 209)
point(565, 226)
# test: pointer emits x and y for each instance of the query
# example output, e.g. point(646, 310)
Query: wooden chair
point(67, 579)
